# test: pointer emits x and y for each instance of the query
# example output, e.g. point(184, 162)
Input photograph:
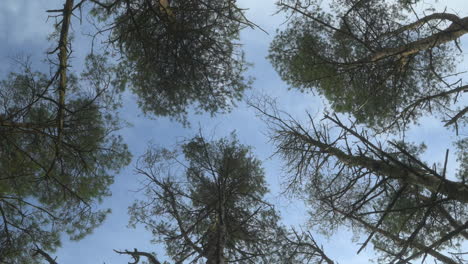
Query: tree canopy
point(207, 204)
point(381, 66)
point(372, 59)
point(205, 201)
point(177, 54)
point(386, 66)
point(382, 190)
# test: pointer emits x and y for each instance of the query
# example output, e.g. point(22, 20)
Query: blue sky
point(23, 30)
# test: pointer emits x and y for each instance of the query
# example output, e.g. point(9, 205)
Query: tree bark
point(218, 242)
point(63, 64)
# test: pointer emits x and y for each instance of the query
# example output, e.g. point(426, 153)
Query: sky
point(23, 31)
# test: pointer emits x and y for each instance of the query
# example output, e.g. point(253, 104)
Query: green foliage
point(49, 186)
point(331, 52)
point(181, 55)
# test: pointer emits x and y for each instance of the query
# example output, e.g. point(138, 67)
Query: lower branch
point(137, 254)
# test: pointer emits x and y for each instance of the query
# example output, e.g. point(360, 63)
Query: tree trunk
point(218, 241)
point(453, 190)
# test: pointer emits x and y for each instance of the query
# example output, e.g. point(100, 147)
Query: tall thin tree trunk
point(218, 241)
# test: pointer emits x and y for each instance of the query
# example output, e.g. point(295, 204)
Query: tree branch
point(137, 254)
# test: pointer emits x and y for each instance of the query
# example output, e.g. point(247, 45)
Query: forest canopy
point(380, 150)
